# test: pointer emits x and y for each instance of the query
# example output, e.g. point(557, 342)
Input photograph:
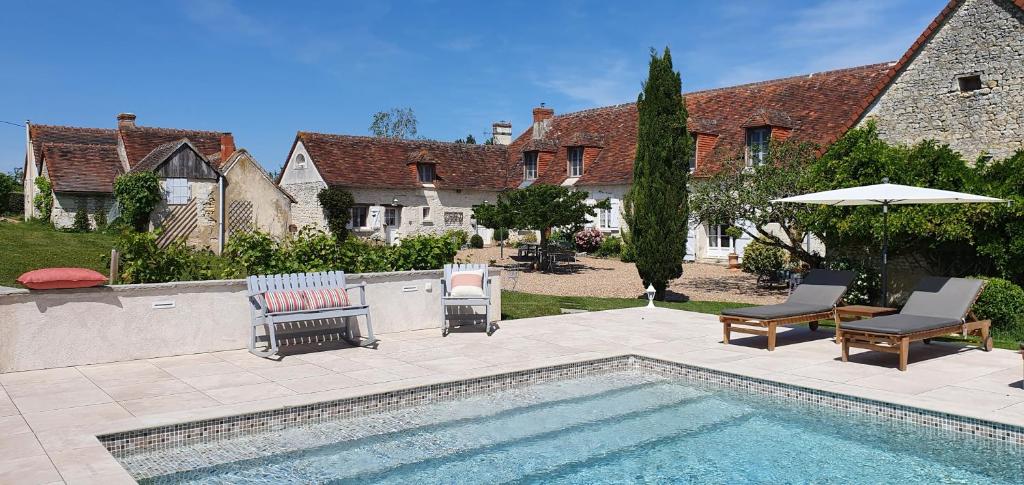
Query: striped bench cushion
point(327, 298)
point(285, 301)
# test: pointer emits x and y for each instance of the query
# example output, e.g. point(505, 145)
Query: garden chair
point(815, 299)
point(464, 287)
point(937, 307)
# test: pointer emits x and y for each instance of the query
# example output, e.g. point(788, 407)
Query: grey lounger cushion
point(900, 324)
point(781, 310)
point(943, 297)
point(819, 292)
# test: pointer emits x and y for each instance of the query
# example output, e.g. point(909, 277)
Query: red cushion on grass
point(61, 278)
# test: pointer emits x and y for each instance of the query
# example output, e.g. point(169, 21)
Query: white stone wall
point(206, 231)
point(984, 37)
point(65, 206)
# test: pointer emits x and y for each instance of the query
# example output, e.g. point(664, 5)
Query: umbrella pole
point(885, 254)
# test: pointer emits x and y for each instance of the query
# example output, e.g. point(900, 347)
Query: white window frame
point(575, 161)
point(425, 215)
point(365, 209)
point(300, 161)
point(177, 191)
point(392, 216)
point(716, 235)
point(530, 159)
point(426, 169)
point(757, 145)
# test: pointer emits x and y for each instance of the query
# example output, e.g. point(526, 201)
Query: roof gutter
point(220, 213)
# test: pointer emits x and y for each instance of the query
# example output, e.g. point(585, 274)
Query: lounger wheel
point(927, 341)
point(814, 326)
point(987, 344)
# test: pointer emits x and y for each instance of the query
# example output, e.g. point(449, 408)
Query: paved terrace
point(50, 417)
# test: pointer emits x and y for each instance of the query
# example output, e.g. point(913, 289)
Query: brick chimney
point(227, 146)
point(126, 120)
point(542, 120)
point(501, 132)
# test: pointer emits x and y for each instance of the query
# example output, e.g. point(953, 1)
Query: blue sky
point(264, 70)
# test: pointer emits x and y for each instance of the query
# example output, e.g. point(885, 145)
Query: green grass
point(526, 305)
point(32, 245)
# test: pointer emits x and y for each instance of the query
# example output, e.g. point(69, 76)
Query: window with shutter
point(177, 191)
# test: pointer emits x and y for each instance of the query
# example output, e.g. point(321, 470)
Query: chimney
point(126, 120)
point(227, 146)
point(541, 121)
point(501, 132)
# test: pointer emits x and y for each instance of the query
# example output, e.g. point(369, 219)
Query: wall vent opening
point(969, 83)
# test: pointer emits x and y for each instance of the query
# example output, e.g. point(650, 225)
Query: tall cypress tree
point(656, 206)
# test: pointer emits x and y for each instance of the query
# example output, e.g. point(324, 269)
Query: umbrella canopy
point(886, 194)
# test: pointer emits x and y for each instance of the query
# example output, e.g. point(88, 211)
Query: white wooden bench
point(461, 307)
point(305, 325)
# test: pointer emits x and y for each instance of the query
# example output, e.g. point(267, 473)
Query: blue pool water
point(614, 428)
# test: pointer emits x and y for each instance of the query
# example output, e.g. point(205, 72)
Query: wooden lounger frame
point(900, 344)
point(756, 326)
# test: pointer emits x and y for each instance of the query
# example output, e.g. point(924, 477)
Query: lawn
point(25, 246)
point(525, 305)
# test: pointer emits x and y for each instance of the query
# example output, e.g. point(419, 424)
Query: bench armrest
point(258, 304)
point(362, 291)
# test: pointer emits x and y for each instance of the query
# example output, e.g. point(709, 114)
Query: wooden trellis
point(240, 217)
point(179, 223)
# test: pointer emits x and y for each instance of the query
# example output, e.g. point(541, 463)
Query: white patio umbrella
point(886, 194)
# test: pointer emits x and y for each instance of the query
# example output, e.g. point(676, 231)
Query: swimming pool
point(624, 425)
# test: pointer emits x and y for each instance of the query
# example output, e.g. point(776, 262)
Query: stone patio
point(49, 418)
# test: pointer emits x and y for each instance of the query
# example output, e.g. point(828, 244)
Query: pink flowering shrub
point(589, 239)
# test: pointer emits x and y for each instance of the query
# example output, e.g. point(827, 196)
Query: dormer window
point(300, 161)
point(757, 145)
point(529, 165)
point(426, 172)
point(575, 156)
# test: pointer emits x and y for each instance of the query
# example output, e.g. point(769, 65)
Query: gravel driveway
point(612, 278)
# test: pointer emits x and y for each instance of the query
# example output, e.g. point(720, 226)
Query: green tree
point(741, 193)
point(43, 201)
point(396, 123)
point(656, 206)
point(539, 207)
point(8, 184)
point(336, 204)
point(137, 194)
point(469, 140)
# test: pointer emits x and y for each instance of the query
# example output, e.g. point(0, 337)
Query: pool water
point(614, 428)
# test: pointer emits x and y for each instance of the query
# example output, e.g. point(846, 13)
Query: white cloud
point(613, 82)
point(225, 16)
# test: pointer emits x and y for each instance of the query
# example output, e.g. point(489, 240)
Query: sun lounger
point(937, 307)
point(815, 299)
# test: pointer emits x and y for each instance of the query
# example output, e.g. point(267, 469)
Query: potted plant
point(734, 233)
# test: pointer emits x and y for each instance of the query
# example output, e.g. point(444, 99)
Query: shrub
point(588, 239)
point(476, 241)
point(336, 204)
point(101, 219)
point(762, 259)
point(528, 238)
point(143, 261)
point(137, 194)
point(611, 246)
point(424, 251)
point(250, 253)
point(628, 252)
point(43, 201)
point(500, 234)
point(81, 221)
point(7, 186)
point(1002, 302)
point(459, 237)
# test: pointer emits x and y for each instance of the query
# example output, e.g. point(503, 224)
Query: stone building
point(961, 83)
point(401, 187)
point(204, 199)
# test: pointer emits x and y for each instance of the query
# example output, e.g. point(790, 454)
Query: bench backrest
point(936, 296)
point(822, 287)
point(450, 269)
point(259, 284)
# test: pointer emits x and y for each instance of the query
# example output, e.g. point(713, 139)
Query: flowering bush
point(589, 239)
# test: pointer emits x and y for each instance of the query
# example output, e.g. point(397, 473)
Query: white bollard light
point(650, 296)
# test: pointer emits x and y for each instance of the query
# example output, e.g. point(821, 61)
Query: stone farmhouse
point(210, 187)
point(961, 83)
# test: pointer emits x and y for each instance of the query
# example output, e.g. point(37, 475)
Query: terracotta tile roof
point(909, 55)
point(139, 141)
point(816, 107)
point(81, 168)
point(362, 161)
point(43, 134)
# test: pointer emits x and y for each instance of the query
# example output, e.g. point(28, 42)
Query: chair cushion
point(949, 298)
point(822, 287)
point(285, 301)
point(327, 298)
point(467, 284)
point(900, 324)
point(61, 278)
point(781, 310)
